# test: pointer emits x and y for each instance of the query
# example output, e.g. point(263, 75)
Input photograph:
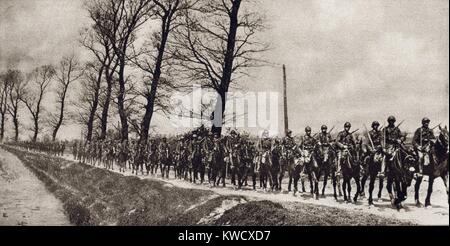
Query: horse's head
point(410, 168)
point(443, 137)
point(306, 156)
point(324, 152)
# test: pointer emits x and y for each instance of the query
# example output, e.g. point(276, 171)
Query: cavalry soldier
point(164, 153)
point(308, 142)
point(265, 143)
point(233, 152)
point(324, 138)
point(422, 143)
point(345, 141)
point(392, 136)
point(208, 146)
point(288, 143)
point(376, 146)
point(196, 155)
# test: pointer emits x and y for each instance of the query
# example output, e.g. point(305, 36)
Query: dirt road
point(437, 215)
point(24, 199)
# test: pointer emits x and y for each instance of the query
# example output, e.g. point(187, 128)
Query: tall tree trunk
point(150, 107)
point(121, 102)
point(36, 129)
point(61, 116)
point(2, 129)
point(90, 123)
point(105, 112)
point(227, 68)
point(16, 126)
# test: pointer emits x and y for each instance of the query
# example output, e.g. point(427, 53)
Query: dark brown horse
point(435, 165)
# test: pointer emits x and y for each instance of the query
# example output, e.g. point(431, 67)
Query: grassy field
point(93, 196)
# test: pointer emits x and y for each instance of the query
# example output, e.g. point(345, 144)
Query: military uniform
point(308, 143)
point(324, 139)
point(422, 143)
point(423, 138)
point(344, 140)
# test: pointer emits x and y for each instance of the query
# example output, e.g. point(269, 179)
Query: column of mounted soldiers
point(200, 156)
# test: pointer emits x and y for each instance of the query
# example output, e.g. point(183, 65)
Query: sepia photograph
point(254, 113)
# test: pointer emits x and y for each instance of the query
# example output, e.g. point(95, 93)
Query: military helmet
point(375, 124)
point(324, 127)
point(307, 129)
point(233, 132)
point(392, 119)
point(347, 124)
point(425, 120)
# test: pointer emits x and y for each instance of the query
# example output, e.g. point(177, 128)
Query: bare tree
point(39, 81)
point(217, 45)
point(17, 90)
point(154, 58)
point(120, 20)
point(69, 71)
point(89, 96)
point(97, 41)
point(4, 88)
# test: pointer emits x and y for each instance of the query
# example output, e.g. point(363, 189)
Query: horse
point(298, 167)
point(263, 167)
point(275, 168)
point(311, 169)
point(401, 167)
point(435, 165)
point(325, 159)
point(350, 169)
point(218, 167)
point(287, 164)
point(376, 168)
point(165, 160)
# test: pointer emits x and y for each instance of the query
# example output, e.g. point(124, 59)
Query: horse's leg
point(290, 179)
point(280, 178)
point(389, 186)
point(430, 191)
point(445, 180)
point(303, 183)
point(363, 185)
point(325, 181)
point(380, 187)
point(358, 188)
point(344, 188)
point(296, 176)
point(311, 185)
point(417, 191)
point(334, 178)
point(349, 189)
point(371, 187)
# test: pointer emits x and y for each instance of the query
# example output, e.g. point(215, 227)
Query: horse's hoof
point(419, 204)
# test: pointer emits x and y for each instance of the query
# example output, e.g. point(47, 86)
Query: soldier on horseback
point(264, 159)
point(394, 150)
point(288, 151)
point(307, 146)
point(326, 158)
point(346, 145)
point(422, 143)
point(376, 163)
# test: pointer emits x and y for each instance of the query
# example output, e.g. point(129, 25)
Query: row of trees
point(30, 90)
point(141, 51)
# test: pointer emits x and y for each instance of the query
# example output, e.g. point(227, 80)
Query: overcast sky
point(347, 60)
